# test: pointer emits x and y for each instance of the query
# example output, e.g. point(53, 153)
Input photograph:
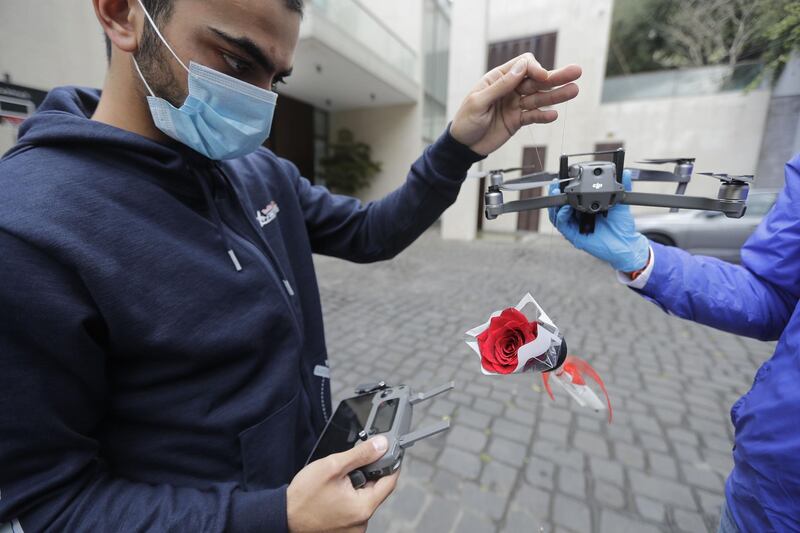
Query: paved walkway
point(515, 461)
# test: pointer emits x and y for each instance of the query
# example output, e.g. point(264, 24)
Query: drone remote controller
point(378, 409)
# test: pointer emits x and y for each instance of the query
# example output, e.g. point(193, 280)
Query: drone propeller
point(531, 181)
point(638, 174)
point(665, 161)
point(484, 173)
point(728, 178)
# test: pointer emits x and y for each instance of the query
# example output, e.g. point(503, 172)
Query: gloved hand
point(615, 239)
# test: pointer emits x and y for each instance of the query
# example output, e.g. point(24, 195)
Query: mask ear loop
point(139, 71)
point(163, 40)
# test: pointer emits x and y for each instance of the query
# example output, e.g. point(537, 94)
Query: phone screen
point(341, 433)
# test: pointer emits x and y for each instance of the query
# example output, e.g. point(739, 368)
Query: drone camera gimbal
point(594, 187)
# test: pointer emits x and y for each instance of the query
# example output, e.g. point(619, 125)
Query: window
point(436, 48)
point(543, 46)
point(533, 158)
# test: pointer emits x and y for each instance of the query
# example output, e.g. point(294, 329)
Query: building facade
point(377, 68)
point(655, 115)
point(394, 73)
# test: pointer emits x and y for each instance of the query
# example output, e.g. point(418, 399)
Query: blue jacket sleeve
point(756, 298)
point(343, 227)
point(53, 396)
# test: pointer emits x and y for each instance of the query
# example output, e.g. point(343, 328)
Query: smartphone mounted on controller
point(377, 409)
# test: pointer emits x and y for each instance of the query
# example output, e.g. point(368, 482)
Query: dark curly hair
point(161, 10)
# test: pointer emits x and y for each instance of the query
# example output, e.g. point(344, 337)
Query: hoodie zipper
point(276, 272)
point(273, 258)
point(259, 234)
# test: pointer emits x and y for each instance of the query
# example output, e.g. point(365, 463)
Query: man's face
point(252, 40)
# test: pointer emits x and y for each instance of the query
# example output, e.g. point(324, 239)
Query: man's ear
point(119, 21)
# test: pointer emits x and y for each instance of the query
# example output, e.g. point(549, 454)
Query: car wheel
point(660, 239)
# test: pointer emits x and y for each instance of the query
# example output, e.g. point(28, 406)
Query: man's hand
point(322, 498)
point(615, 239)
point(509, 97)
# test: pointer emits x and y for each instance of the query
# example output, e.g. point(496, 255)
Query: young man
point(161, 344)
point(757, 299)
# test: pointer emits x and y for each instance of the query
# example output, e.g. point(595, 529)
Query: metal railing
point(680, 82)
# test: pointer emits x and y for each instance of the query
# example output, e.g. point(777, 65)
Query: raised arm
point(506, 98)
point(755, 299)
point(342, 226)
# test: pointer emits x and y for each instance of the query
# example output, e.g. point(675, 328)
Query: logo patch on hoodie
point(268, 214)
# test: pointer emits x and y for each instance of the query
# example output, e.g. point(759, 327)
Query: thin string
point(564, 127)
point(147, 85)
point(551, 232)
point(158, 32)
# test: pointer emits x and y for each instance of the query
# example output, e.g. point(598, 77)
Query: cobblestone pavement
point(515, 461)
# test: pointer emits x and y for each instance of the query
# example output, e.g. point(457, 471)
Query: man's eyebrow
point(250, 48)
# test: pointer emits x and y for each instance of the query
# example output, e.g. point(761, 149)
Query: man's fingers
point(378, 492)
point(548, 98)
point(498, 87)
point(529, 86)
point(538, 116)
point(496, 73)
point(535, 71)
point(554, 78)
point(506, 78)
point(362, 454)
point(564, 75)
point(533, 68)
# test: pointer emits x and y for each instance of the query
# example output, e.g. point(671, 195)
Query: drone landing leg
point(586, 223)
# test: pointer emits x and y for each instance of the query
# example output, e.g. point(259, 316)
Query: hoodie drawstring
point(212, 207)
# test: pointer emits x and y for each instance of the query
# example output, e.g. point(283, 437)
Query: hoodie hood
point(64, 121)
point(65, 117)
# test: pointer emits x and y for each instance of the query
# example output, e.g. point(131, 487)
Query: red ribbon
point(576, 367)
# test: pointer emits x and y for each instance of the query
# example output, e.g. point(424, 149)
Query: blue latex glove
point(615, 239)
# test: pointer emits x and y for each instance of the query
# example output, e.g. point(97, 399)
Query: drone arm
point(541, 202)
point(731, 209)
point(681, 190)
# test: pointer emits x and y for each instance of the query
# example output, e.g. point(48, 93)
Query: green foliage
point(781, 35)
point(349, 166)
point(657, 34)
point(635, 36)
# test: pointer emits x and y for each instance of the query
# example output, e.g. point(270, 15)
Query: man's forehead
point(270, 24)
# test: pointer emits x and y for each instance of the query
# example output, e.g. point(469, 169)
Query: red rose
point(500, 342)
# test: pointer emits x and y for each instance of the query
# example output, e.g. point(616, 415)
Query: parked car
point(708, 232)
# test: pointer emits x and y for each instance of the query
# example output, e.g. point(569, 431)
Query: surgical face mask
point(222, 117)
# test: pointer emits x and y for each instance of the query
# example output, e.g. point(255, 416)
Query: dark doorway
point(294, 134)
point(533, 158)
